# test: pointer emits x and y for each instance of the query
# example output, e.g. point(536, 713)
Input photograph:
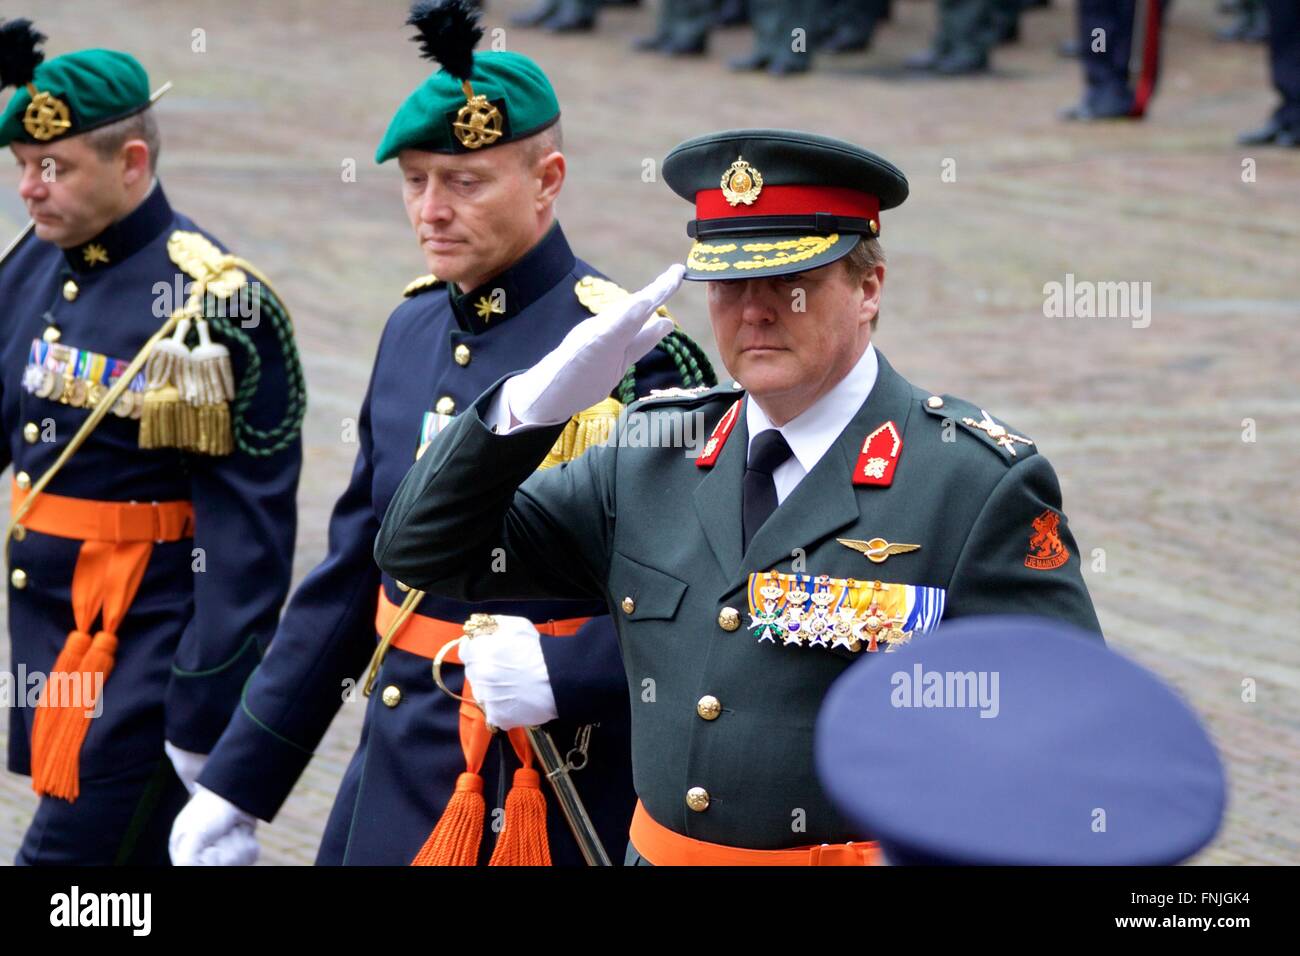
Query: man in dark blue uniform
point(1283, 127)
point(1106, 30)
point(478, 144)
point(151, 540)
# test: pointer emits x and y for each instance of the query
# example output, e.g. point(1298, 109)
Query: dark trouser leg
point(775, 23)
point(1284, 59)
point(1105, 44)
point(121, 820)
point(965, 28)
point(686, 21)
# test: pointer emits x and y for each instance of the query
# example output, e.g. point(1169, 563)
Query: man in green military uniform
point(966, 34)
point(835, 511)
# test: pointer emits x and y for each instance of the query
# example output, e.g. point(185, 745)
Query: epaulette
point(415, 287)
point(191, 399)
point(991, 432)
point(688, 396)
point(596, 294)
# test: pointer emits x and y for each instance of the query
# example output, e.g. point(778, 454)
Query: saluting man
point(836, 511)
point(152, 401)
point(478, 144)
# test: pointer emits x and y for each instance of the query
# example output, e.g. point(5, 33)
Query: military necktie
point(766, 452)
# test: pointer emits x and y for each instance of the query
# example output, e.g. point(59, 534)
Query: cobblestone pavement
point(1198, 528)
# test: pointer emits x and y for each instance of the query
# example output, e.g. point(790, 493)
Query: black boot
point(846, 39)
point(965, 63)
point(752, 62)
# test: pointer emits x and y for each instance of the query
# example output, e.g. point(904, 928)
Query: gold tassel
point(161, 422)
point(210, 390)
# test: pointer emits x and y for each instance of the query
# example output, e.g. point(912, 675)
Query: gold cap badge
point(741, 183)
point(47, 116)
point(478, 123)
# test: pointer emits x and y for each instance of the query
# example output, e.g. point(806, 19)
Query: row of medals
point(809, 619)
point(58, 382)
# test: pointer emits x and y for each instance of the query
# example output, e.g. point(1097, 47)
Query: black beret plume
point(449, 31)
point(19, 57)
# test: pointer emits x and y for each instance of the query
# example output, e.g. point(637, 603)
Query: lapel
point(717, 500)
point(826, 499)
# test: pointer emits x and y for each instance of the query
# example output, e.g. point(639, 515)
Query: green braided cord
point(688, 357)
point(253, 441)
point(693, 366)
point(627, 387)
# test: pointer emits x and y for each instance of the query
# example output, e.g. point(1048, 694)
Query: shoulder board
point(419, 285)
point(688, 396)
point(596, 294)
point(992, 432)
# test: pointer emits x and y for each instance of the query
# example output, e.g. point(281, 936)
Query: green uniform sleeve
point(472, 520)
point(1020, 557)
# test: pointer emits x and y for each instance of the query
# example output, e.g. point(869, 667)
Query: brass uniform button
point(19, 532)
point(697, 798)
point(51, 333)
point(934, 401)
point(446, 406)
point(461, 354)
point(31, 432)
point(70, 290)
point(628, 605)
point(392, 696)
point(709, 707)
point(23, 480)
point(729, 619)
point(18, 578)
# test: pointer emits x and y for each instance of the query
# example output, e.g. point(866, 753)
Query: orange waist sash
point(664, 847)
point(425, 636)
point(115, 521)
point(117, 539)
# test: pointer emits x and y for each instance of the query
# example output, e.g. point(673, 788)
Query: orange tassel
point(456, 838)
point(46, 719)
point(58, 774)
point(523, 838)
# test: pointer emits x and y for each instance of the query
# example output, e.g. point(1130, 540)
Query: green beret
point(85, 90)
point(774, 201)
point(508, 81)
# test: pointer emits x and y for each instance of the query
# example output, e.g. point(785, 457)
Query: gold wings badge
point(877, 549)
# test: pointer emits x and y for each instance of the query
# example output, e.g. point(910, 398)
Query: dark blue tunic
point(191, 637)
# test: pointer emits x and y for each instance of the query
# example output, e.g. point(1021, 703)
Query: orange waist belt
point(455, 838)
point(426, 636)
point(663, 847)
point(117, 539)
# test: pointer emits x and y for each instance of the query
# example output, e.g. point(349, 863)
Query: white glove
point(507, 674)
point(188, 764)
point(594, 356)
point(212, 831)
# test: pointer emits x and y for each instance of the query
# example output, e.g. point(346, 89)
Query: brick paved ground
point(1198, 528)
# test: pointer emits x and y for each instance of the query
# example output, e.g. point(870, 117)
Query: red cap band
point(790, 201)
